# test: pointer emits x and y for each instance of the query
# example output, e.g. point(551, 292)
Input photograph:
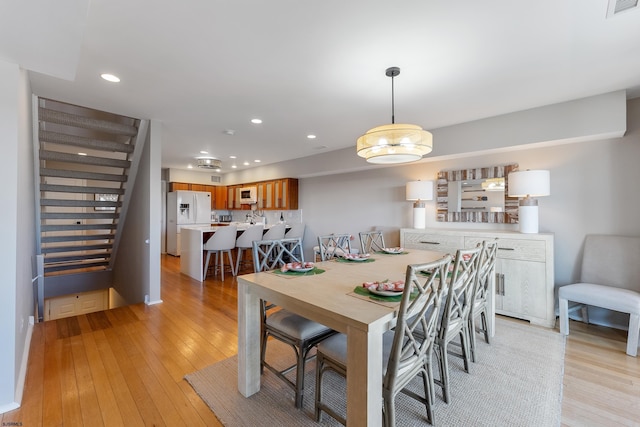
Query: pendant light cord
point(393, 107)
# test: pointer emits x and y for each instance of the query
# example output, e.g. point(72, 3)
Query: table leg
point(364, 379)
point(248, 340)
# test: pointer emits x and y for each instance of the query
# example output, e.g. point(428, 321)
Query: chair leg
point(238, 260)
point(221, 254)
point(472, 336)
point(632, 338)
point(444, 371)
point(426, 383)
point(300, 377)
point(564, 316)
point(206, 265)
point(464, 345)
point(318, 398)
point(485, 325)
point(230, 256)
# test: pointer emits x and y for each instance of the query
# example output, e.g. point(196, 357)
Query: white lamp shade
point(533, 183)
point(419, 190)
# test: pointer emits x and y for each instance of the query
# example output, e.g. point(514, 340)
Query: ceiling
point(206, 68)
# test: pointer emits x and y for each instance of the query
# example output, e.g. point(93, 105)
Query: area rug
point(516, 381)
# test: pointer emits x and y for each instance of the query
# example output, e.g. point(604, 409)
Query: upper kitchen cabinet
point(221, 197)
point(176, 186)
point(278, 194)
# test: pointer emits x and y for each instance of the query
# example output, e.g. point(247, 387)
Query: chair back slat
point(371, 241)
point(417, 321)
point(486, 268)
point(273, 254)
point(333, 245)
point(461, 288)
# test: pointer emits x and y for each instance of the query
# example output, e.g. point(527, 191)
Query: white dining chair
point(455, 316)
point(223, 241)
point(297, 331)
point(332, 245)
point(407, 349)
point(371, 241)
point(245, 241)
point(480, 308)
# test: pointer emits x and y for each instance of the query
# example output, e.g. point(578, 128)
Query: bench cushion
point(624, 300)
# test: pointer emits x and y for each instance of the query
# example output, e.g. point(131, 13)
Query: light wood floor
point(126, 366)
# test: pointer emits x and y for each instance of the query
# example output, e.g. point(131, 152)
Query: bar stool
point(275, 232)
point(296, 231)
point(245, 241)
point(222, 241)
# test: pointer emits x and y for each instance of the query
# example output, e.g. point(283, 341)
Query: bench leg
point(632, 338)
point(564, 316)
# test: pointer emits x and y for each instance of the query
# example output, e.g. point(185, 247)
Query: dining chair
point(407, 348)
point(331, 246)
point(221, 242)
point(454, 321)
point(275, 232)
point(297, 331)
point(486, 272)
point(296, 230)
point(371, 241)
point(245, 241)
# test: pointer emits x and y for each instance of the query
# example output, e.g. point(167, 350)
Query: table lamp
point(528, 184)
point(419, 191)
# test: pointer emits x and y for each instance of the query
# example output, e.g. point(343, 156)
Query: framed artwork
point(106, 198)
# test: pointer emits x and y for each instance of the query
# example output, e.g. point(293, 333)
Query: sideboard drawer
point(433, 242)
point(529, 250)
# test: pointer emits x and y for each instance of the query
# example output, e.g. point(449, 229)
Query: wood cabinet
point(278, 194)
point(524, 283)
point(218, 192)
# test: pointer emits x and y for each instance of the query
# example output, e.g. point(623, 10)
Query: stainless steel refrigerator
point(185, 208)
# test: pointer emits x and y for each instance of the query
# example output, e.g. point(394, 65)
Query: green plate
point(340, 259)
point(360, 290)
point(315, 270)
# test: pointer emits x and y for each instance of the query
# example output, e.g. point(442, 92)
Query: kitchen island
point(192, 253)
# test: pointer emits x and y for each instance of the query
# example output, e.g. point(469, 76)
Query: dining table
point(328, 295)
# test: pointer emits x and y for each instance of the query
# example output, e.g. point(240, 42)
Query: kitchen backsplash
point(272, 217)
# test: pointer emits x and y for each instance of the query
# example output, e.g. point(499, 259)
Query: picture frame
point(105, 197)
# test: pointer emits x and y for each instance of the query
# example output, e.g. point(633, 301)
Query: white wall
point(16, 231)
point(137, 267)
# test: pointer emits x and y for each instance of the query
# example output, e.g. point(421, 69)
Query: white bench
point(609, 278)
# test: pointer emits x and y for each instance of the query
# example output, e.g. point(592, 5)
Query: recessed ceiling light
point(82, 154)
point(256, 121)
point(229, 131)
point(110, 78)
point(190, 166)
point(311, 136)
point(204, 152)
point(232, 157)
point(246, 163)
point(233, 166)
point(256, 161)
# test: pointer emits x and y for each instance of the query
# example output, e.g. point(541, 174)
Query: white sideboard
point(524, 285)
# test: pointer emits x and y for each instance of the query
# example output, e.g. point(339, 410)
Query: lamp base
point(528, 219)
point(419, 217)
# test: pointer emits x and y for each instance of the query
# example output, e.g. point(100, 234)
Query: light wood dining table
point(329, 298)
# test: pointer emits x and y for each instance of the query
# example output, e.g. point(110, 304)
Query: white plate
point(301, 269)
point(393, 251)
point(385, 293)
point(358, 259)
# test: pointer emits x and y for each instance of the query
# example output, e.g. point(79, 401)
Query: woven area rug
point(517, 381)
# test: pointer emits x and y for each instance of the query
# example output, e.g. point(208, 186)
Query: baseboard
point(22, 375)
point(153, 302)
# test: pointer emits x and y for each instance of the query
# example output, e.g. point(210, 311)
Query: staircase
point(85, 169)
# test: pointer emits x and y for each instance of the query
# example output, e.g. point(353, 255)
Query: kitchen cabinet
point(175, 186)
point(278, 194)
point(523, 282)
point(220, 201)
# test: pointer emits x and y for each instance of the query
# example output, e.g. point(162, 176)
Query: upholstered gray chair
point(455, 316)
point(479, 308)
point(371, 241)
point(406, 350)
point(297, 331)
point(609, 278)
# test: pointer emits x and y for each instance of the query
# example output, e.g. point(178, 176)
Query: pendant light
point(394, 143)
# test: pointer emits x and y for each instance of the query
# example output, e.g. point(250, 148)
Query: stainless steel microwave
point(248, 195)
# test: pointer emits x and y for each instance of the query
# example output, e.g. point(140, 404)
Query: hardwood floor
point(126, 366)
